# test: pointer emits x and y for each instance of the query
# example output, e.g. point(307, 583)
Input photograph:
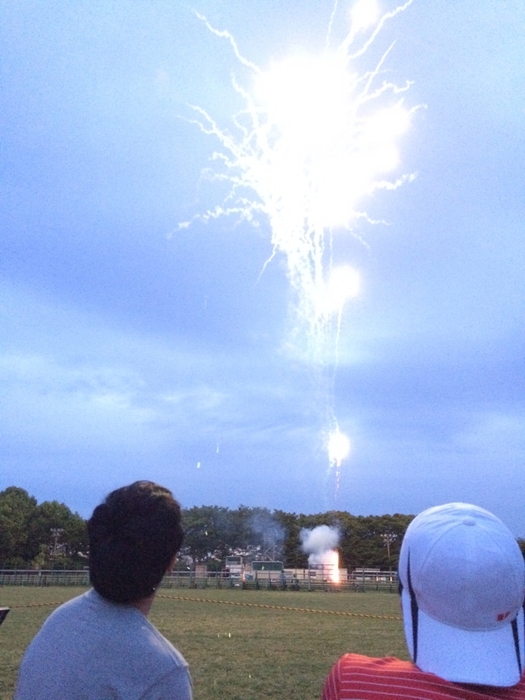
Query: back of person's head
point(133, 536)
point(462, 580)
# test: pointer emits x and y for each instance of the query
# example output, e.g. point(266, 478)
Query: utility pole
point(388, 538)
point(56, 532)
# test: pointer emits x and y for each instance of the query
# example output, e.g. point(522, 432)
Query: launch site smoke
point(319, 544)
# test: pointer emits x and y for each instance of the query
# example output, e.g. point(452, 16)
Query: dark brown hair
point(133, 536)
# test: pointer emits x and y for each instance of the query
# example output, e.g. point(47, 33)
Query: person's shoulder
point(355, 675)
point(372, 664)
point(352, 668)
point(69, 608)
point(390, 676)
point(127, 633)
point(161, 647)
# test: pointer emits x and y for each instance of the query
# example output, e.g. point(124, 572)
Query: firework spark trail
point(315, 137)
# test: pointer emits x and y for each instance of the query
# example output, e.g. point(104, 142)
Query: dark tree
point(26, 532)
point(16, 509)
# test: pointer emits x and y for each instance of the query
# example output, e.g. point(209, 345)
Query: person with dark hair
point(100, 644)
point(462, 583)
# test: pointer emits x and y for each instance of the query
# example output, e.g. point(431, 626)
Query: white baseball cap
point(463, 581)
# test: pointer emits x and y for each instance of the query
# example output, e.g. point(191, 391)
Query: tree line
point(213, 532)
point(41, 535)
point(50, 535)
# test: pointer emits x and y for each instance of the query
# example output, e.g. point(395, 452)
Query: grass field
point(240, 644)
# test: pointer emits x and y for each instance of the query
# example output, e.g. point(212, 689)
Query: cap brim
point(463, 656)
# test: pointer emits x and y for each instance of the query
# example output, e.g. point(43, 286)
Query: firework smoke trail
point(315, 137)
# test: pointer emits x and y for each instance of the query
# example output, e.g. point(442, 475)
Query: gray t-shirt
point(92, 649)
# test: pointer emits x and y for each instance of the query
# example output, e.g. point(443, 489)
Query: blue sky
point(132, 349)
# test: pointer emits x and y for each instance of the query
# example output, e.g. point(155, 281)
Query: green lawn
point(235, 649)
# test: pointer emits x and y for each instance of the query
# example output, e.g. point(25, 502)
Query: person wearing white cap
point(462, 582)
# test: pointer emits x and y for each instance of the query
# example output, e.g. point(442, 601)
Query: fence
point(44, 577)
point(290, 579)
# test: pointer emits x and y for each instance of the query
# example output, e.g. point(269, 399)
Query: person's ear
point(171, 564)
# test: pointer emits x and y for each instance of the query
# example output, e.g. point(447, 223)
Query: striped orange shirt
point(356, 677)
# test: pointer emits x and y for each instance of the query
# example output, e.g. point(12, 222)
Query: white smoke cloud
point(318, 542)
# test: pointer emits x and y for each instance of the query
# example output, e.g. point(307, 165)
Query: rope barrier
point(239, 604)
point(39, 605)
point(280, 607)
